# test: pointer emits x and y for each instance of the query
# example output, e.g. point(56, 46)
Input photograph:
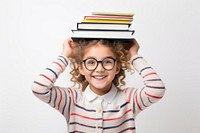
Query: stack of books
point(101, 25)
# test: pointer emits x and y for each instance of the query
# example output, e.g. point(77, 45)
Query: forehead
point(98, 51)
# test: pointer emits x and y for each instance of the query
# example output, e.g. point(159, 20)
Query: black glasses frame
point(99, 62)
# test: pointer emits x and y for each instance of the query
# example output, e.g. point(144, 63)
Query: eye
point(108, 61)
point(90, 62)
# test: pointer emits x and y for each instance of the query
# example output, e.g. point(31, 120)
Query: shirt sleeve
point(43, 86)
point(153, 87)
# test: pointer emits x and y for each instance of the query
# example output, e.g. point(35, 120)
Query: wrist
point(65, 59)
point(67, 55)
point(135, 57)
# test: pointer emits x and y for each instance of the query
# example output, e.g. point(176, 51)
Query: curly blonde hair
point(117, 47)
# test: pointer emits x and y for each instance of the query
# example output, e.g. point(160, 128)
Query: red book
point(130, 18)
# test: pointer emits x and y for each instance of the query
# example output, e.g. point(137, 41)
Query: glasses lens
point(108, 63)
point(90, 64)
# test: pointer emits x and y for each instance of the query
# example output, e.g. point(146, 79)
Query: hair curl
point(117, 47)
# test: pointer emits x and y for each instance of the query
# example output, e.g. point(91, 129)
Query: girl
point(98, 103)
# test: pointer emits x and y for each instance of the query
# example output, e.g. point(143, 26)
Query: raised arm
point(43, 86)
point(153, 88)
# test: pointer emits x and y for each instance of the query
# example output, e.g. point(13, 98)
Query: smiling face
point(99, 79)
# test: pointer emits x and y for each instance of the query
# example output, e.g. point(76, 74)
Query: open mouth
point(99, 77)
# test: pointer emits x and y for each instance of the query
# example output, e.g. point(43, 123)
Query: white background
point(31, 36)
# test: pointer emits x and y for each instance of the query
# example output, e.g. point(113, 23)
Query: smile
point(99, 77)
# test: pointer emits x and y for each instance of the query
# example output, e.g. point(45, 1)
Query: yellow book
point(106, 21)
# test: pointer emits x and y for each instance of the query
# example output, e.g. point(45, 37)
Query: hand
point(134, 48)
point(68, 46)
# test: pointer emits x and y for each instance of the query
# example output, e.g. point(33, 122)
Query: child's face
point(100, 79)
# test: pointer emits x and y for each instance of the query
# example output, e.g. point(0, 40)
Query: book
point(113, 13)
point(101, 26)
point(107, 21)
point(103, 34)
point(130, 18)
point(105, 25)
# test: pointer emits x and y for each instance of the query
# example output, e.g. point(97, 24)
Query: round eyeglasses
point(107, 63)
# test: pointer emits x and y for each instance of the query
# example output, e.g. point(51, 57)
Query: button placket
point(99, 114)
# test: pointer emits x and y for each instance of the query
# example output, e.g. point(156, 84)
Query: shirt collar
point(108, 97)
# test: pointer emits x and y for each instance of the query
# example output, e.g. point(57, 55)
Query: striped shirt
point(86, 112)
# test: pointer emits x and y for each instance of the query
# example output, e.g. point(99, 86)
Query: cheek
point(85, 72)
point(87, 76)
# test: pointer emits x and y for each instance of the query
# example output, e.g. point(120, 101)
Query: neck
point(101, 92)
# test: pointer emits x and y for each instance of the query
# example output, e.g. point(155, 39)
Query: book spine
point(109, 17)
point(107, 21)
point(102, 23)
point(96, 30)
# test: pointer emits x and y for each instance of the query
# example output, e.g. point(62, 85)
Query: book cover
point(103, 34)
point(105, 26)
point(109, 17)
point(113, 13)
point(107, 21)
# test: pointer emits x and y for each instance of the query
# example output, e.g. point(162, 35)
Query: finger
point(134, 41)
point(71, 43)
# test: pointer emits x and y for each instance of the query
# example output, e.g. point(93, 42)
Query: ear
point(80, 68)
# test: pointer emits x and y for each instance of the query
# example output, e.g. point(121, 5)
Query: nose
point(99, 67)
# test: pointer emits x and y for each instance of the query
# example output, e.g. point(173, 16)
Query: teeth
point(99, 77)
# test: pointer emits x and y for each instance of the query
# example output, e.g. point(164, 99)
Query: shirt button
point(99, 111)
point(98, 130)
